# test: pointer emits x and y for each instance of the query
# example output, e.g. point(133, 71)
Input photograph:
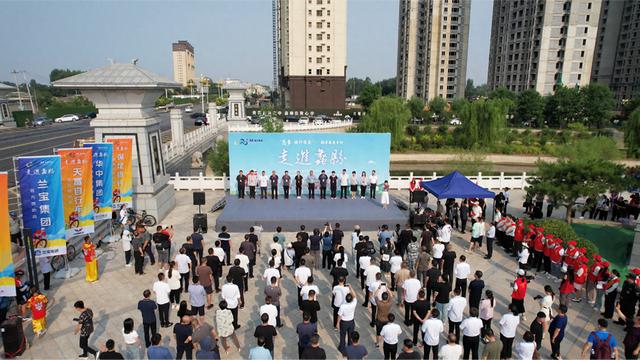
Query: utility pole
point(33, 109)
point(15, 78)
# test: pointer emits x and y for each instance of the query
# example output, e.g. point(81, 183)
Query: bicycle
point(58, 262)
point(143, 217)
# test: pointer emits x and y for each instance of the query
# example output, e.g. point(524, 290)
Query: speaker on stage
point(13, 337)
point(198, 198)
point(200, 222)
point(418, 196)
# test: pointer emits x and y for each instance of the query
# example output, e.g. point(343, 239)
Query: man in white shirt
point(461, 272)
point(264, 181)
point(450, 351)
point(389, 334)
point(444, 233)
point(363, 263)
point(346, 314)
point(432, 327)
point(457, 304)
point(508, 325)
point(231, 294)
point(270, 272)
point(491, 236)
point(275, 245)
point(244, 264)
point(373, 184)
point(183, 263)
point(162, 290)
point(304, 291)
point(396, 264)
point(372, 291)
point(344, 184)
point(301, 275)
point(410, 288)
point(471, 328)
point(219, 252)
point(523, 256)
point(339, 292)
point(370, 273)
point(271, 310)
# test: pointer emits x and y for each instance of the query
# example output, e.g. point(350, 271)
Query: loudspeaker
point(13, 337)
point(198, 198)
point(418, 196)
point(200, 223)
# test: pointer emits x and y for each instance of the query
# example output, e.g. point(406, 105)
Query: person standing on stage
point(298, 179)
point(353, 181)
point(273, 180)
point(322, 179)
point(90, 260)
point(333, 184)
point(241, 179)
point(373, 184)
point(263, 180)
point(311, 183)
point(252, 180)
point(344, 183)
point(363, 184)
point(286, 184)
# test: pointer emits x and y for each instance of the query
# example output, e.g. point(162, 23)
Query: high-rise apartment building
point(433, 37)
point(312, 53)
point(540, 44)
point(184, 62)
point(617, 57)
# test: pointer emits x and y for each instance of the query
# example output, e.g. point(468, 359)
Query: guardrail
point(245, 127)
point(501, 181)
point(174, 149)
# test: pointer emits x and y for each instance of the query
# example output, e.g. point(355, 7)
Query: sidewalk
point(115, 298)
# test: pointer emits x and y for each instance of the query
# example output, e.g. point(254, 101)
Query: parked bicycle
point(58, 262)
point(143, 217)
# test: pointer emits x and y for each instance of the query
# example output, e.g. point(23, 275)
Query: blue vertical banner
point(40, 181)
point(102, 157)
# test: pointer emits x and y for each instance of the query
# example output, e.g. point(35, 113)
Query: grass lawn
point(614, 242)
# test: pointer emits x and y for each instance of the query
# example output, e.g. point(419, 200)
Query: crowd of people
point(410, 281)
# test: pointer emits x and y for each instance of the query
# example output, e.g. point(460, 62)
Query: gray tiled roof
point(116, 76)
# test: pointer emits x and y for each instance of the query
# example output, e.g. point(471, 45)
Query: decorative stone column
point(177, 130)
point(213, 113)
point(125, 97)
point(236, 91)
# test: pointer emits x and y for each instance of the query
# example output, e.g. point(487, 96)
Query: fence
point(202, 183)
point(245, 127)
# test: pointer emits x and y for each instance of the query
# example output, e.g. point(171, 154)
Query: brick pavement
point(115, 297)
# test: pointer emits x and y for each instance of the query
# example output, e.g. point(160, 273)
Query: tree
point(592, 148)
point(57, 74)
point(218, 158)
point(416, 106)
point(387, 114)
point(354, 85)
point(597, 104)
point(482, 122)
point(387, 86)
point(272, 124)
point(530, 108)
point(567, 180)
point(563, 107)
point(501, 92)
point(368, 95)
point(473, 92)
point(632, 134)
point(438, 106)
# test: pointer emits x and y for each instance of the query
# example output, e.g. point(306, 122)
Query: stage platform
point(239, 214)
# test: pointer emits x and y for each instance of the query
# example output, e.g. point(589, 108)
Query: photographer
point(162, 239)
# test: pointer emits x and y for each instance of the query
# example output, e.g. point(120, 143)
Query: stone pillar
point(236, 101)
point(177, 130)
point(634, 261)
point(213, 113)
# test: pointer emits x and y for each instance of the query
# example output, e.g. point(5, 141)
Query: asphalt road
point(43, 140)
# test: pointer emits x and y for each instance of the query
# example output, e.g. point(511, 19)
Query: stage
point(239, 214)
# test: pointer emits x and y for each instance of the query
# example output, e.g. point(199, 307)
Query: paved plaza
point(114, 297)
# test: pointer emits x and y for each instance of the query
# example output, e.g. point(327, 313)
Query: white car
point(455, 122)
point(67, 118)
point(318, 121)
point(188, 109)
point(303, 120)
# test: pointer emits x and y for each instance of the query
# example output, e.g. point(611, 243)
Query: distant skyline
point(232, 38)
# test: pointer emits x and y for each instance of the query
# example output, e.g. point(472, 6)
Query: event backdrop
point(41, 197)
point(102, 157)
point(122, 172)
point(77, 191)
point(309, 151)
point(7, 280)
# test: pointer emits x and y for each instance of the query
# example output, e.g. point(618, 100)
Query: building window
point(328, 25)
point(309, 69)
point(319, 48)
point(589, 6)
point(328, 12)
point(319, 25)
point(328, 37)
point(310, 47)
point(588, 17)
point(586, 30)
point(328, 72)
point(319, 60)
point(328, 48)
point(318, 12)
point(309, 37)
point(5, 111)
point(310, 59)
point(328, 60)
point(318, 71)
point(318, 36)
point(309, 25)
point(309, 12)
point(319, 2)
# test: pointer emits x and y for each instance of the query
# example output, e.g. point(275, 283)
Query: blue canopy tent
point(456, 186)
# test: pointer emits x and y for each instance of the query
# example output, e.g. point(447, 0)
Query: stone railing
point(191, 140)
point(290, 127)
point(395, 182)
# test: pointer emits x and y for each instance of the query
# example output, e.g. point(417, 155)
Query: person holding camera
point(162, 239)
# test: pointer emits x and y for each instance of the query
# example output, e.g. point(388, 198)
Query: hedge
point(564, 231)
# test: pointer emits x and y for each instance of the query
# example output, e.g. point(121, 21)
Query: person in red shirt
point(37, 303)
point(518, 238)
point(90, 260)
point(549, 244)
point(520, 292)
point(557, 256)
point(566, 289)
point(580, 277)
point(538, 248)
point(571, 255)
point(592, 278)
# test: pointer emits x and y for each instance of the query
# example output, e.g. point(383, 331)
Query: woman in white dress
point(546, 304)
point(384, 199)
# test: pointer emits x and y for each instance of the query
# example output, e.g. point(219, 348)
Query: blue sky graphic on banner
point(41, 196)
point(306, 151)
point(102, 179)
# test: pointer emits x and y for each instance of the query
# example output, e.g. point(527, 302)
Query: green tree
point(632, 134)
point(57, 74)
point(597, 104)
point(530, 108)
point(218, 158)
point(592, 148)
point(354, 85)
point(369, 94)
point(272, 124)
point(563, 107)
point(629, 106)
point(473, 92)
point(483, 122)
point(387, 86)
point(501, 92)
point(567, 180)
point(416, 106)
point(221, 101)
point(387, 114)
point(438, 106)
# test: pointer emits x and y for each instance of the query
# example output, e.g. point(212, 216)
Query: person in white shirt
point(340, 254)
point(126, 247)
point(410, 288)
point(183, 263)
point(162, 291)
point(344, 184)
point(523, 256)
point(270, 272)
point(395, 263)
point(264, 181)
point(346, 314)
point(219, 252)
point(450, 351)
point(271, 310)
point(304, 291)
point(374, 291)
point(444, 233)
point(275, 245)
point(455, 313)
point(491, 236)
point(508, 325)
point(431, 328)
point(301, 275)
point(526, 349)
point(370, 274)
point(471, 328)
point(389, 334)
point(437, 252)
point(373, 184)
point(461, 272)
point(339, 292)
point(230, 293)
point(244, 264)
point(355, 238)
point(363, 262)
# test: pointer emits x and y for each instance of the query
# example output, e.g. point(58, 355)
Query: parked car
point(318, 120)
point(197, 115)
point(290, 118)
point(455, 122)
point(188, 109)
point(347, 118)
point(91, 115)
point(254, 119)
point(201, 120)
point(67, 118)
point(41, 121)
point(303, 120)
